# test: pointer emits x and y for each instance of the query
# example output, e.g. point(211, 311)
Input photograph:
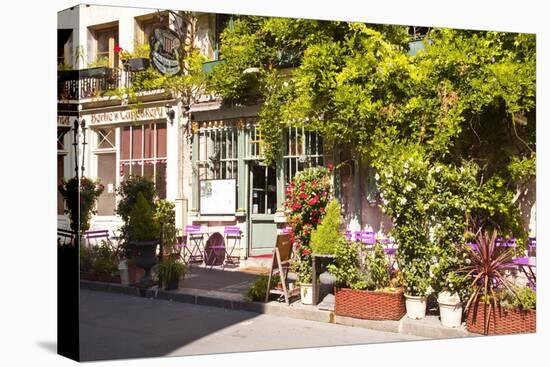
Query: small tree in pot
point(144, 236)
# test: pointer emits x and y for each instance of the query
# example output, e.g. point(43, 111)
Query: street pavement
point(114, 326)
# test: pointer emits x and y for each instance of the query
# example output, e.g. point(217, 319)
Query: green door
point(262, 204)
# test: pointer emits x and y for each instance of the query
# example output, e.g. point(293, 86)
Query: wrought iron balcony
point(86, 83)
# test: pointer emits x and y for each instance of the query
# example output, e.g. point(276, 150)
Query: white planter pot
point(306, 293)
point(416, 306)
point(451, 314)
point(123, 270)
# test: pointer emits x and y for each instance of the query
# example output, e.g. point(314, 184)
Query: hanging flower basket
point(370, 305)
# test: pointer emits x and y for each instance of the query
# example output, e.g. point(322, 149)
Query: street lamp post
point(79, 127)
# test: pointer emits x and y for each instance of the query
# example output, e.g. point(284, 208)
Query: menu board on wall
point(218, 196)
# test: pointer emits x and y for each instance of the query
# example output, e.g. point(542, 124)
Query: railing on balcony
point(95, 82)
point(87, 83)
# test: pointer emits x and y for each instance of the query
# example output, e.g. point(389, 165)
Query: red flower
point(330, 167)
point(117, 48)
point(306, 251)
point(313, 200)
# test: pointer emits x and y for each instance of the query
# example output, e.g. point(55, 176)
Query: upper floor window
point(101, 46)
point(64, 47)
point(145, 26)
point(304, 149)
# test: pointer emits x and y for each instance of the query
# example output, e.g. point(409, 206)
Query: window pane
point(135, 169)
point(125, 168)
point(125, 143)
point(106, 172)
point(161, 140)
point(148, 141)
point(106, 138)
point(137, 142)
point(148, 170)
point(160, 180)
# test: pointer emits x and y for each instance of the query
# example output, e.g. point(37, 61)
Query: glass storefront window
point(143, 153)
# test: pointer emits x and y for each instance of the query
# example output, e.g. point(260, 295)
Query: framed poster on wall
point(218, 196)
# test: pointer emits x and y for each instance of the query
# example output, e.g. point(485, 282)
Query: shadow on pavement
point(114, 326)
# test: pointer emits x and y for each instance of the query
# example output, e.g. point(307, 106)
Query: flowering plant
point(429, 203)
point(307, 196)
point(80, 198)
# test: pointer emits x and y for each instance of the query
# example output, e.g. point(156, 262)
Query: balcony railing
point(87, 83)
point(92, 83)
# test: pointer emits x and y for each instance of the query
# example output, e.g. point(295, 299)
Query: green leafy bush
point(80, 198)
point(170, 269)
point(325, 237)
point(106, 262)
point(521, 297)
point(257, 290)
point(128, 192)
point(87, 257)
point(350, 273)
point(142, 224)
point(165, 214)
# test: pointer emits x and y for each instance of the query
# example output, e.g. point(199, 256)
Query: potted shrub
point(170, 272)
point(368, 291)
point(450, 309)
point(324, 240)
point(80, 210)
point(496, 305)
point(128, 192)
point(144, 236)
point(105, 264)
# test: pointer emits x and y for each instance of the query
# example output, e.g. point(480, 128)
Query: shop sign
point(150, 113)
point(63, 120)
point(165, 51)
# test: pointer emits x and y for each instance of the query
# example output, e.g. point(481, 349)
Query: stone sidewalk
point(226, 289)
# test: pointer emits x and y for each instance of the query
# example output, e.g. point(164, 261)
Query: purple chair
point(526, 265)
point(368, 238)
point(233, 235)
point(532, 247)
point(192, 242)
point(348, 235)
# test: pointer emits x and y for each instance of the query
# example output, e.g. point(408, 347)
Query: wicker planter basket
point(370, 305)
point(502, 321)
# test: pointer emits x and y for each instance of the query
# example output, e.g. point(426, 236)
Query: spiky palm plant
point(487, 270)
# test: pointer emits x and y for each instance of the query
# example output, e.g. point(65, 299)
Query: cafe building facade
point(207, 159)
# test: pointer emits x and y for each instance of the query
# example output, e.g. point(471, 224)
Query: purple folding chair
point(348, 235)
point(526, 265)
point(95, 236)
point(367, 240)
point(532, 247)
point(233, 235)
point(390, 249)
point(192, 242)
